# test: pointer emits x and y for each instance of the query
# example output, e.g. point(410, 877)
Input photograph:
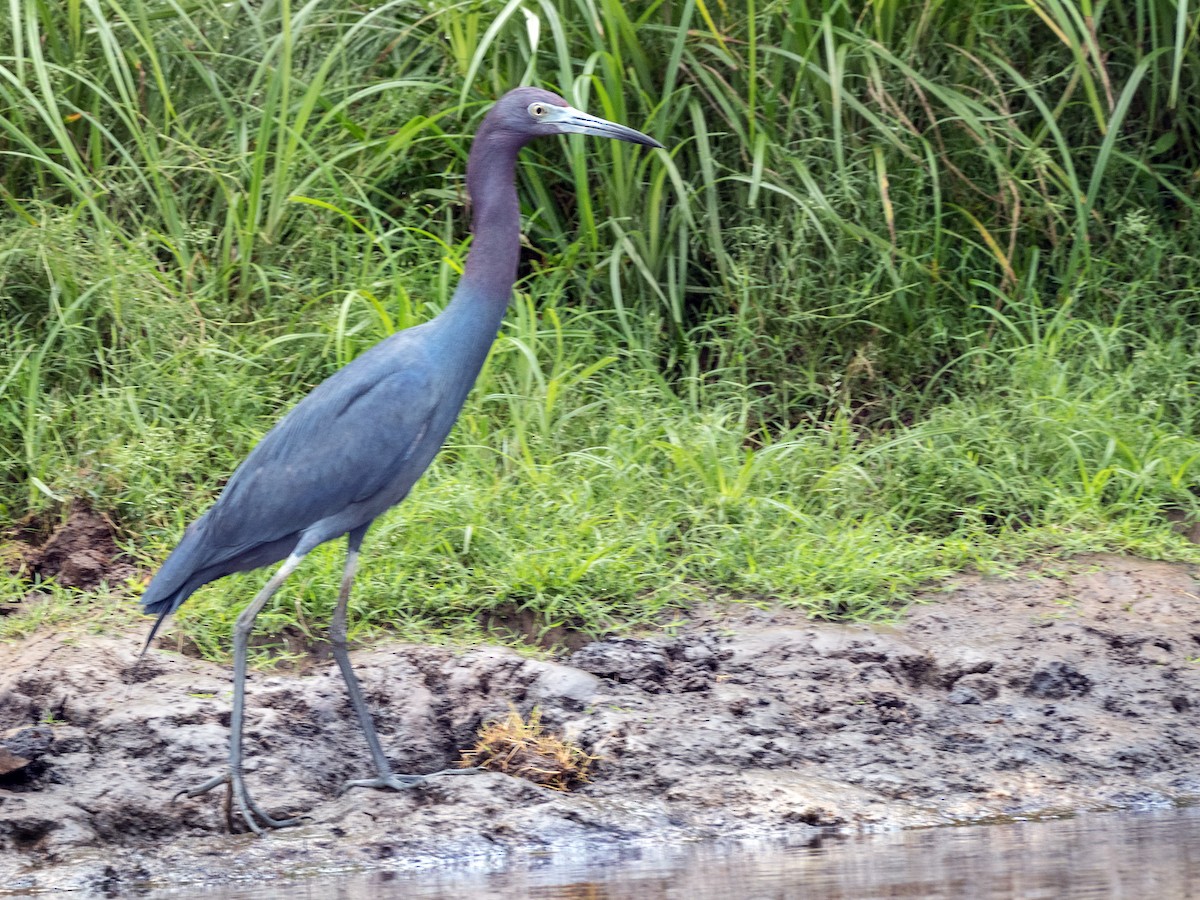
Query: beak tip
point(636, 137)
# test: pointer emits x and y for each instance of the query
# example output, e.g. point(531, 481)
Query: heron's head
point(532, 112)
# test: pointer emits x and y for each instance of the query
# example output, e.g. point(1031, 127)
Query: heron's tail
point(154, 629)
point(178, 578)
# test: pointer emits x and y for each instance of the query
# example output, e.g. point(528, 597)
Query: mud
point(78, 550)
point(1046, 692)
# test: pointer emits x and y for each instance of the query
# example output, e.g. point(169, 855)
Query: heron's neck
point(491, 266)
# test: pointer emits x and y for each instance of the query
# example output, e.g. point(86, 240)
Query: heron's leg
point(234, 776)
point(337, 636)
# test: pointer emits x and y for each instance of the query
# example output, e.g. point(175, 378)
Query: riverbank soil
point(1063, 687)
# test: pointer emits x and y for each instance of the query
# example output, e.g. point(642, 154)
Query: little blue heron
point(354, 447)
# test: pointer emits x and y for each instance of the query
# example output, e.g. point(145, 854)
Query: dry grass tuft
point(518, 747)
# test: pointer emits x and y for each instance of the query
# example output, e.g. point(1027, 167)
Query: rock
point(10, 762)
point(569, 686)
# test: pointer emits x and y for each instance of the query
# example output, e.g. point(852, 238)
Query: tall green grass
point(914, 287)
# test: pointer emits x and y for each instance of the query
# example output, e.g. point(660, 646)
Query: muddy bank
point(1070, 690)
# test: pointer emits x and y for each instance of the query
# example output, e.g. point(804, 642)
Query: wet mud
point(1051, 691)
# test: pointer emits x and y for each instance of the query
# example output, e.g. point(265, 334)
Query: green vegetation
point(915, 289)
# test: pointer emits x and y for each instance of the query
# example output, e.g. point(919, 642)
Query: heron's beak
point(567, 118)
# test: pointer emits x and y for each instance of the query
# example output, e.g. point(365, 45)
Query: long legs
point(233, 776)
point(337, 636)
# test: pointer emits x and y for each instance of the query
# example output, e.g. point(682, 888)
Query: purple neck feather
point(491, 266)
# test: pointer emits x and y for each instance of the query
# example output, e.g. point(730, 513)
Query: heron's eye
point(537, 110)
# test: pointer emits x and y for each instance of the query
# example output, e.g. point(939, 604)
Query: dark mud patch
point(514, 624)
point(294, 649)
point(78, 551)
point(999, 698)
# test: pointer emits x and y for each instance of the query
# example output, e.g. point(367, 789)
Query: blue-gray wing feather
point(346, 452)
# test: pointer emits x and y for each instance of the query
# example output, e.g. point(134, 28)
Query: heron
point(354, 447)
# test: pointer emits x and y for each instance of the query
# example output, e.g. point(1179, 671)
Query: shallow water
point(1136, 855)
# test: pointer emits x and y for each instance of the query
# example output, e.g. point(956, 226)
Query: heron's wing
point(359, 434)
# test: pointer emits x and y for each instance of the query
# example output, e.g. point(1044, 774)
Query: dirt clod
point(1057, 680)
point(79, 552)
point(999, 697)
point(10, 762)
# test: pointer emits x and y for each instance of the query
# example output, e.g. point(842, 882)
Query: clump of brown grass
point(521, 748)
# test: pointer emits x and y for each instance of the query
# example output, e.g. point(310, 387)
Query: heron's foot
point(235, 793)
point(395, 782)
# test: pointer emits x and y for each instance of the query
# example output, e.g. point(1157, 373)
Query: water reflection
point(1136, 855)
